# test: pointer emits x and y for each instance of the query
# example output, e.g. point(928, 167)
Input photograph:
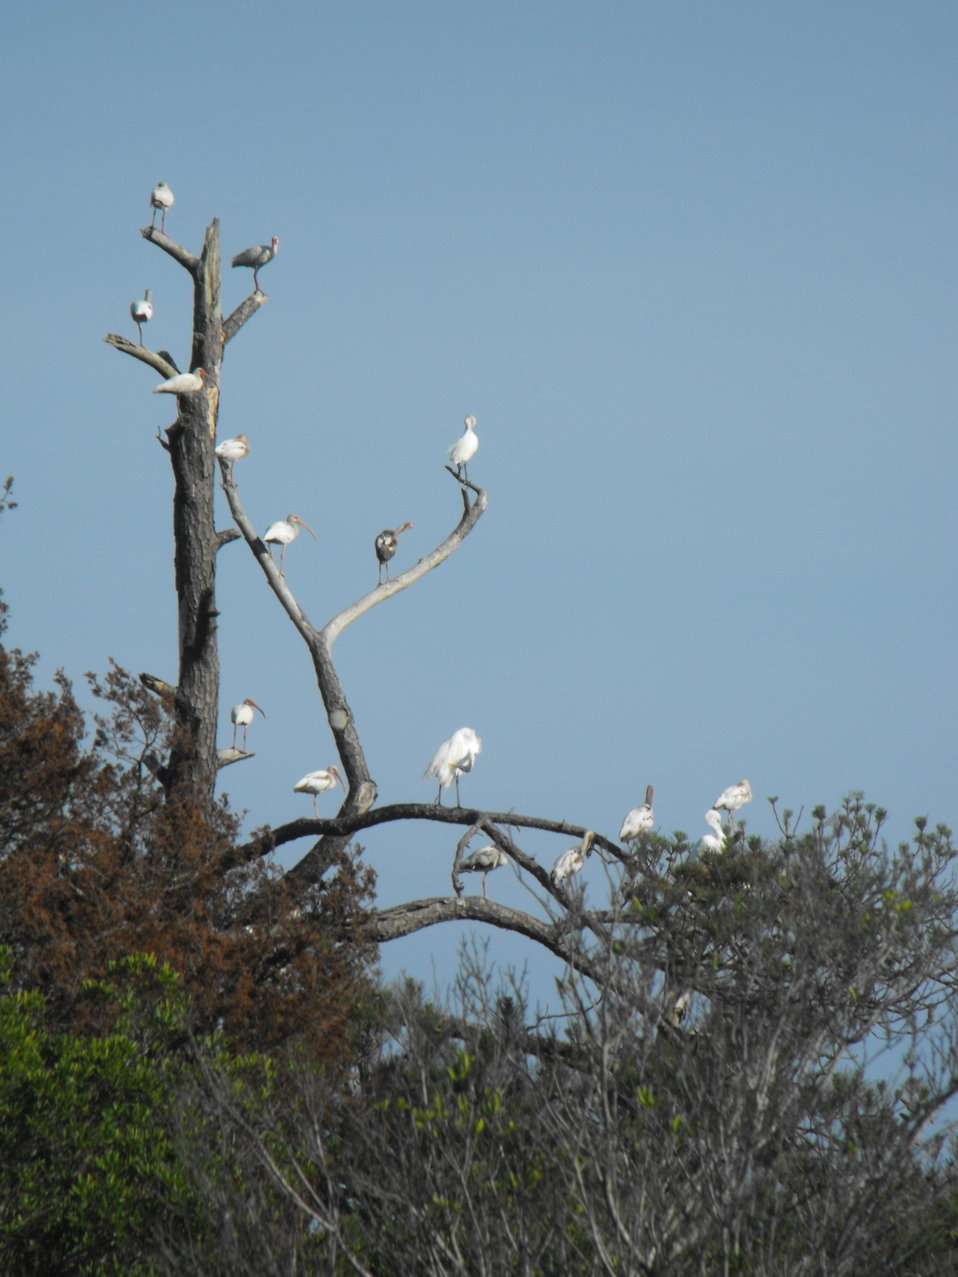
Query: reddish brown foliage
point(96, 864)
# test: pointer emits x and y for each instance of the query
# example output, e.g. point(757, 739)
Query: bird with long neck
point(142, 312)
point(256, 257)
point(465, 448)
point(241, 715)
point(161, 199)
point(385, 546)
point(715, 841)
point(455, 755)
point(283, 532)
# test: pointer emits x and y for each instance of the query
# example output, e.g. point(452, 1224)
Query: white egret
point(639, 820)
point(483, 862)
point(455, 755)
point(317, 783)
point(571, 861)
point(257, 257)
point(465, 448)
point(142, 312)
point(242, 715)
point(233, 450)
point(715, 841)
point(161, 199)
point(734, 797)
point(282, 532)
point(184, 383)
point(385, 546)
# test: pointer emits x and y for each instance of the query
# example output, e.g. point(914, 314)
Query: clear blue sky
point(692, 266)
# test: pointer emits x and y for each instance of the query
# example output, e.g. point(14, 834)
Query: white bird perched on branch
point(233, 450)
point(161, 199)
point(184, 383)
point(571, 861)
point(317, 783)
point(241, 715)
point(283, 531)
point(455, 755)
point(639, 820)
point(483, 862)
point(257, 257)
point(142, 312)
point(465, 448)
point(715, 841)
point(734, 797)
point(385, 545)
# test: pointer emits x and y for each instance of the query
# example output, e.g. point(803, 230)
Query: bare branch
point(472, 513)
point(226, 536)
point(243, 312)
point(179, 254)
point(140, 352)
point(345, 825)
point(403, 920)
point(228, 755)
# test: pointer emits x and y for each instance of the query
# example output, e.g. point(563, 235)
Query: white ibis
point(464, 449)
point(317, 783)
point(142, 312)
point(715, 841)
point(282, 532)
point(386, 544)
point(483, 862)
point(184, 383)
point(233, 450)
point(161, 198)
point(257, 257)
point(734, 797)
point(639, 820)
point(241, 715)
point(455, 755)
point(571, 861)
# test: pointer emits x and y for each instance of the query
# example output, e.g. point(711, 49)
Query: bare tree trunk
point(193, 762)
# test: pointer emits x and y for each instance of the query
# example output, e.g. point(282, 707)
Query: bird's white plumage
point(715, 841)
point(142, 309)
point(317, 783)
point(734, 797)
point(162, 197)
point(572, 861)
point(184, 383)
point(455, 755)
point(242, 715)
point(637, 822)
point(465, 448)
point(233, 449)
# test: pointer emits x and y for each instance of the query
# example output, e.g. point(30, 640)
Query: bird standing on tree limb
point(317, 783)
point(455, 755)
point(386, 544)
point(715, 841)
point(241, 715)
point(184, 383)
point(483, 862)
point(161, 198)
point(257, 257)
point(282, 532)
point(465, 448)
point(142, 312)
point(233, 450)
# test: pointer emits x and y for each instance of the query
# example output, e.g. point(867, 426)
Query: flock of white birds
point(457, 755)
